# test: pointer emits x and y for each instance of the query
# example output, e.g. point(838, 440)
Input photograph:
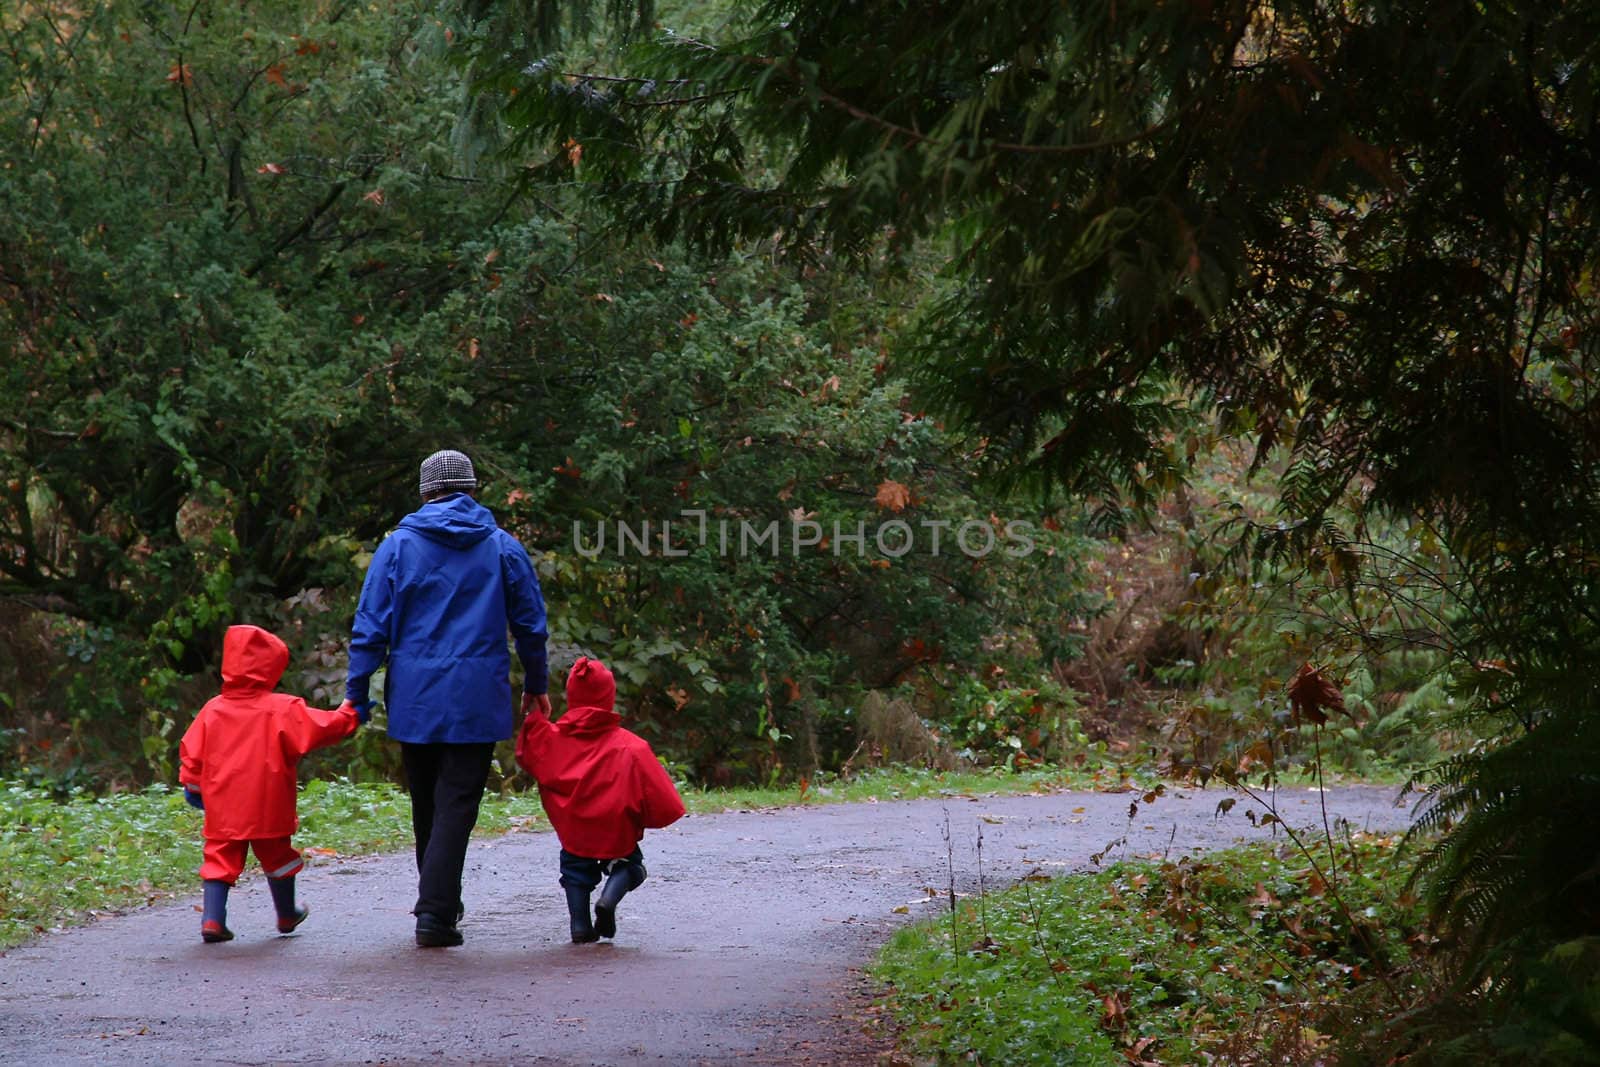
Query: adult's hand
point(536, 702)
point(362, 711)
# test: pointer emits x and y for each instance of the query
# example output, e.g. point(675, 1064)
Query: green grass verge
point(909, 783)
point(1245, 951)
point(67, 861)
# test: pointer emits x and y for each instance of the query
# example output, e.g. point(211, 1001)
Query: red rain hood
point(591, 700)
point(253, 658)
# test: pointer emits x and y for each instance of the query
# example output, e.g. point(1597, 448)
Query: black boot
point(618, 883)
point(214, 916)
point(289, 916)
point(434, 932)
point(578, 910)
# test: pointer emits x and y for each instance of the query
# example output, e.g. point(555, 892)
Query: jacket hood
point(591, 700)
point(252, 657)
point(590, 684)
point(458, 521)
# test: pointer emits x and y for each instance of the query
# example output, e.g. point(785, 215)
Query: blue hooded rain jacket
point(439, 595)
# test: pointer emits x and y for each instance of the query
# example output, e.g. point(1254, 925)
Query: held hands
point(363, 710)
point(192, 798)
point(539, 702)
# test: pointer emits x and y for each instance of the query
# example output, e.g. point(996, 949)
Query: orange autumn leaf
point(892, 496)
point(271, 168)
point(374, 197)
point(275, 76)
point(574, 151)
point(182, 73)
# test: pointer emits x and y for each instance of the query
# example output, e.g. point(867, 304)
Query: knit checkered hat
point(446, 470)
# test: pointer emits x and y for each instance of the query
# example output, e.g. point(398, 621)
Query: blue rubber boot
point(618, 884)
point(578, 911)
point(289, 916)
point(214, 913)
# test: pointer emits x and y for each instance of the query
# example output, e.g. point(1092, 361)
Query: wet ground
point(745, 946)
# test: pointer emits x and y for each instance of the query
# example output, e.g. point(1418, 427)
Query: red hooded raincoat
point(241, 751)
point(601, 785)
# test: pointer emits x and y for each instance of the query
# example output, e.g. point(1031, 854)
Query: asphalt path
point(746, 945)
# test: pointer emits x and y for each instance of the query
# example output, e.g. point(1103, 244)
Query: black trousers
point(446, 784)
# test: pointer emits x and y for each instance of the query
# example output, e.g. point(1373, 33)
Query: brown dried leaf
point(1312, 695)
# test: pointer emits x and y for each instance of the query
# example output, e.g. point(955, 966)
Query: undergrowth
point(1240, 956)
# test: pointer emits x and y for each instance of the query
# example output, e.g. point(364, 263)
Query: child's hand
point(363, 710)
point(192, 798)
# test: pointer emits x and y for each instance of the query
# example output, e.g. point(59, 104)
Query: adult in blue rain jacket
point(439, 596)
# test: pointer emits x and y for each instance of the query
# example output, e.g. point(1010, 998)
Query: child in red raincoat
point(239, 758)
point(601, 786)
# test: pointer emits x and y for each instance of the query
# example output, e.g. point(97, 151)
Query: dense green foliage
point(230, 237)
point(252, 271)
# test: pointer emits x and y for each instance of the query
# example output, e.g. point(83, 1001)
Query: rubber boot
point(214, 914)
point(289, 916)
point(618, 884)
point(578, 910)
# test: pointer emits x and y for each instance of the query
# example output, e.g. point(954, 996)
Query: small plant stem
point(983, 912)
point(1038, 934)
point(950, 869)
point(1322, 796)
